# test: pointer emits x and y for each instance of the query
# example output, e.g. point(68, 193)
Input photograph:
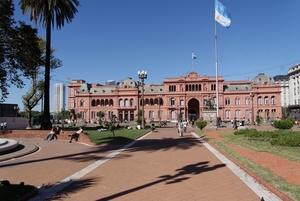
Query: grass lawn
point(14, 191)
point(122, 136)
point(291, 153)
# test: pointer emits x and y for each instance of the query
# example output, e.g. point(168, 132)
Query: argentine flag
point(222, 15)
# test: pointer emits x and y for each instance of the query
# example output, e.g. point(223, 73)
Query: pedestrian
point(75, 135)
point(1, 125)
point(180, 128)
point(184, 126)
point(5, 125)
point(235, 124)
point(52, 132)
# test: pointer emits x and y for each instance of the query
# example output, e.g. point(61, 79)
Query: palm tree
point(49, 13)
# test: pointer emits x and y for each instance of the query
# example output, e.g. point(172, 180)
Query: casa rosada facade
point(187, 97)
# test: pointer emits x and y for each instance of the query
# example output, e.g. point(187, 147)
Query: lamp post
point(159, 102)
point(62, 117)
point(252, 107)
point(142, 75)
point(178, 113)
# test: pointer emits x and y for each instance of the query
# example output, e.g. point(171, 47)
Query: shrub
point(287, 140)
point(201, 124)
point(283, 124)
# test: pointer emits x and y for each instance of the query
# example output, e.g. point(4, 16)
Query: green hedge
point(284, 124)
point(278, 137)
point(200, 124)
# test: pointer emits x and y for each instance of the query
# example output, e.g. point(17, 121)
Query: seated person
point(52, 132)
point(152, 127)
point(102, 129)
point(76, 134)
point(58, 130)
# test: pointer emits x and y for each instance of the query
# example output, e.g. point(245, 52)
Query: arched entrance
point(193, 109)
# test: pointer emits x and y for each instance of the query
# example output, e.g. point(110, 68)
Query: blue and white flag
point(222, 15)
point(194, 56)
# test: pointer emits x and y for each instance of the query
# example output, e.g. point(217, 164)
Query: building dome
point(261, 78)
point(127, 83)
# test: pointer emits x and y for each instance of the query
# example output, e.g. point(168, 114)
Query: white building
point(294, 75)
point(59, 97)
point(283, 81)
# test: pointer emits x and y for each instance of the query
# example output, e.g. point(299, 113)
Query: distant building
point(9, 110)
point(283, 81)
point(59, 97)
point(294, 79)
point(294, 90)
point(187, 97)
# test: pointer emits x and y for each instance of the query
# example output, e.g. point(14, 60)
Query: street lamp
point(178, 113)
point(142, 75)
point(159, 102)
point(62, 117)
point(252, 107)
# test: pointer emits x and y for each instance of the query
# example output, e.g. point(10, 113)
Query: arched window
point(131, 102)
point(227, 114)
point(93, 103)
point(121, 102)
point(82, 103)
point(266, 100)
point(273, 100)
point(227, 101)
point(172, 101)
point(238, 114)
point(126, 103)
point(259, 100)
point(151, 102)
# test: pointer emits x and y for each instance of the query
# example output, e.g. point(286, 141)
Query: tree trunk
point(47, 124)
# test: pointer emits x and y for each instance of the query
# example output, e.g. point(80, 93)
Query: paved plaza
point(161, 166)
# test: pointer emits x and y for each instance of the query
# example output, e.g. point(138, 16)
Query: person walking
point(184, 126)
point(235, 126)
point(180, 128)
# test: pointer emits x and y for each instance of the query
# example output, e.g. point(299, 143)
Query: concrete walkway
point(160, 166)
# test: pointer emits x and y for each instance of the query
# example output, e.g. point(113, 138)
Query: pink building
point(187, 97)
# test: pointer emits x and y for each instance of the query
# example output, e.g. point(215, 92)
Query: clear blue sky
point(113, 39)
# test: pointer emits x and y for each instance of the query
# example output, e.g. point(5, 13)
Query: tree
point(139, 118)
point(49, 13)
point(19, 49)
point(32, 97)
point(112, 128)
point(100, 115)
point(35, 93)
point(200, 124)
point(73, 115)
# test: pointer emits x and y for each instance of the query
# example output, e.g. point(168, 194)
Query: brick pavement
point(161, 166)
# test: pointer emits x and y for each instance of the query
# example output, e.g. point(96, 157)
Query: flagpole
point(216, 62)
